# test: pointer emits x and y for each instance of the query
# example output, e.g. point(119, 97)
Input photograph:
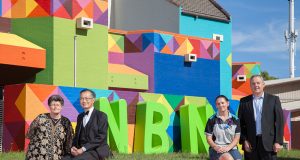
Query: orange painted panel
point(22, 56)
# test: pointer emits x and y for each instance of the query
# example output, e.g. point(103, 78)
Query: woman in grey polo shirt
point(223, 132)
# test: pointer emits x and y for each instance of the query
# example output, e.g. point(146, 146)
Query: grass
point(283, 155)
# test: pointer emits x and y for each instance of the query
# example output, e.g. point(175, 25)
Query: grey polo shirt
point(223, 132)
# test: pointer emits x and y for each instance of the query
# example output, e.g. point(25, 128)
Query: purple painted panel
point(143, 62)
point(116, 58)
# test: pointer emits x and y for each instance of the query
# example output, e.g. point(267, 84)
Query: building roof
point(203, 8)
point(291, 106)
point(282, 81)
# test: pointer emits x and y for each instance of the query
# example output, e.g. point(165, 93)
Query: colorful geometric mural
point(17, 51)
point(160, 54)
point(242, 88)
point(115, 42)
point(26, 101)
point(56, 35)
point(70, 9)
point(170, 43)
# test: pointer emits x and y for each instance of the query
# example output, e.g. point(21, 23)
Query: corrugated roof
point(203, 8)
point(291, 106)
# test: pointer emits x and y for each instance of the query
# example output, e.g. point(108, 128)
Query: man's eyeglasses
point(85, 99)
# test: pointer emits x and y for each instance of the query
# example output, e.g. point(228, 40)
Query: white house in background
point(288, 91)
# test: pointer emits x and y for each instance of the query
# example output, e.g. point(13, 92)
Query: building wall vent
point(241, 78)
point(84, 23)
point(190, 58)
point(218, 37)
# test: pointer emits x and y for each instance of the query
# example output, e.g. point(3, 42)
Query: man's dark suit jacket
point(96, 134)
point(271, 122)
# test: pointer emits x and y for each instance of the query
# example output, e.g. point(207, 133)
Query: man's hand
point(277, 147)
point(247, 146)
point(74, 151)
point(79, 151)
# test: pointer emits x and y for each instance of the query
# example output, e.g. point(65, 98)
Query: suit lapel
point(79, 128)
point(251, 108)
point(90, 120)
point(264, 106)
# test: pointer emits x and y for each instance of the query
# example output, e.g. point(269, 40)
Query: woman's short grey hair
point(56, 98)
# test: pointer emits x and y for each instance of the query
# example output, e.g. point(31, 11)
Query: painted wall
point(70, 9)
point(242, 88)
point(173, 76)
point(205, 28)
point(56, 35)
point(141, 48)
point(40, 32)
point(26, 101)
point(154, 14)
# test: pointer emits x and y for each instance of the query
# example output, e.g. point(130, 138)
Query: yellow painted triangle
point(111, 42)
point(249, 66)
point(34, 106)
point(182, 49)
point(163, 101)
point(247, 72)
point(30, 6)
point(102, 5)
point(189, 46)
point(229, 60)
point(150, 97)
point(81, 14)
point(20, 102)
point(199, 101)
point(116, 48)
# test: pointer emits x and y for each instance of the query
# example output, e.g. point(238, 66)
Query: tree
point(266, 76)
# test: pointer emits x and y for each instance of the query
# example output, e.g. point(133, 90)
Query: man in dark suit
point(90, 141)
point(261, 120)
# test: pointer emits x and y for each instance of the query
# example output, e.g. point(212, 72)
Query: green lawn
point(283, 155)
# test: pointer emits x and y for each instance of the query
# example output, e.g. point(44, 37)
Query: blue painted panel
point(173, 76)
point(234, 106)
point(201, 27)
point(73, 95)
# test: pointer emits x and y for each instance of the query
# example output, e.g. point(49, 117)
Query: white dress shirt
point(87, 117)
point(257, 107)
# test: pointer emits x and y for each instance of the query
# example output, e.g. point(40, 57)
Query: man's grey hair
point(257, 75)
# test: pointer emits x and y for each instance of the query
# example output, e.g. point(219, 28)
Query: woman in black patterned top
point(50, 134)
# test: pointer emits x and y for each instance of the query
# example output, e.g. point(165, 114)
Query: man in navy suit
point(261, 120)
point(90, 141)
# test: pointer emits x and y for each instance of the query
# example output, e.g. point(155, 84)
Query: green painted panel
point(193, 118)
point(152, 120)
point(38, 31)
point(92, 55)
point(128, 81)
point(117, 119)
